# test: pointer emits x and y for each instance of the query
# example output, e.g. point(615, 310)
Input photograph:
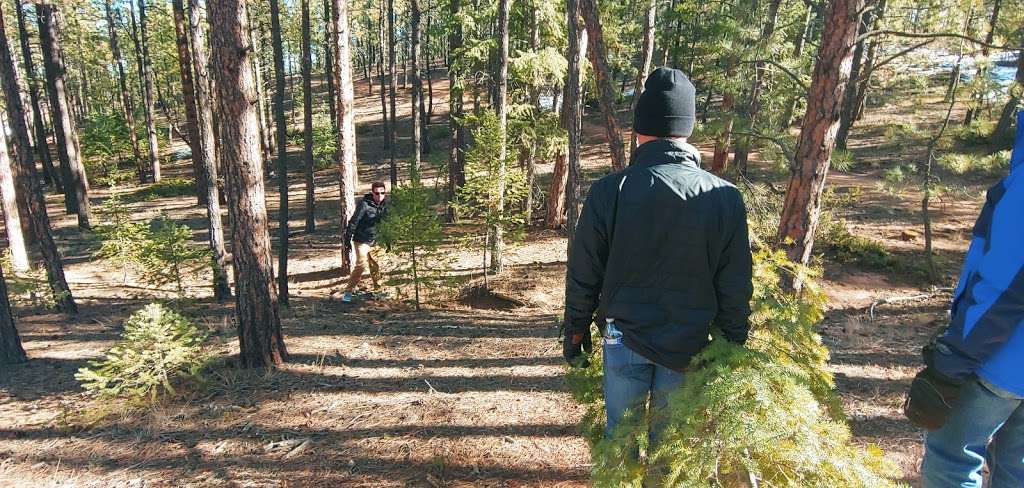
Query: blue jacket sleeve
point(989, 303)
point(587, 260)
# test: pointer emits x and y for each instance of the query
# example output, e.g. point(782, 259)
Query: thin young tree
point(208, 147)
point(1002, 135)
point(605, 83)
point(259, 323)
point(29, 184)
point(753, 109)
point(11, 351)
point(501, 108)
point(802, 207)
point(381, 75)
point(332, 97)
point(280, 123)
point(127, 104)
point(645, 61)
point(76, 191)
point(148, 90)
point(572, 119)
point(347, 179)
point(392, 92)
point(417, 86)
point(50, 174)
point(307, 119)
point(982, 72)
point(9, 204)
point(188, 90)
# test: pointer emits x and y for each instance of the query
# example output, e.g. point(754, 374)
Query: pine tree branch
point(933, 35)
point(796, 78)
point(867, 74)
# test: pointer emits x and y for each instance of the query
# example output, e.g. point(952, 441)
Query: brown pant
point(365, 257)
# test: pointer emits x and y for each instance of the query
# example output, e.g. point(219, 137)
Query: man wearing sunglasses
point(361, 233)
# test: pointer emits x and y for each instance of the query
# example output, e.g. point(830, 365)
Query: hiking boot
point(346, 297)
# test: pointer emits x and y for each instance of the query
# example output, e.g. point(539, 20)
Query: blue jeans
point(985, 427)
point(628, 380)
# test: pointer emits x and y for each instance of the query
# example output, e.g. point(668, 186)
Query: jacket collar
point(661, 151)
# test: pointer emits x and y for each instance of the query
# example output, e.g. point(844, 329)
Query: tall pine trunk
point(266, 135)
point(347, 179)
point(605, 84)
point(385, 123)
point(457, 137)
point(28, 184)
point(50, 174)
point(188, 90)
point(645, 62)
point(501, 108)
point(259, 324)
point(1002, 136)
point(392, 75)
point(77, 188)
point(329, 66)
point(802, 207)
point(11, 351)
point(146, 70)
point(417, 88)
point(282, 152)
point(206, 141)
point(307, 119)
point(847, 116)
point(572, 119)
point(13, 216)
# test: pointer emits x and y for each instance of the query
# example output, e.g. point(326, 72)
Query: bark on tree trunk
point(605, 83)
point(307, 119)
point(720, 161)
point(208, 147)
point(282, 153)
point(146, 68)
point(189, 96)
point(555, 215)
point(457, 139)
point(846, 117)
point(814, 148)
point(572, 119)
point(347, 178)
point(11, 351)
point(126, 98)
point(27, 183)
point(645, 62)
point(50, 174)
point(259, 324)
point(77, 189)
point(392, 75)
point(13, 216)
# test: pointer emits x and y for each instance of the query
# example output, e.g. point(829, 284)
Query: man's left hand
point(932, 398)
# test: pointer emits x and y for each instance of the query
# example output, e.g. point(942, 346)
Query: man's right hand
point(931, 399)
point(573, 346)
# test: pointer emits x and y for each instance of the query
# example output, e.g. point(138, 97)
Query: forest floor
point(466, 392)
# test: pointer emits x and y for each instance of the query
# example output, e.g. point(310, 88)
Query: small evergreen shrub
point(989, 165)
point(412, 230)
point(121, 240)
point(158, 350)
point(168, 254)
point(29, 288)
point(168, 187)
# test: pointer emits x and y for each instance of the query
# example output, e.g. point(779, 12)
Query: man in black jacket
point(361, 233)
point(661, 257)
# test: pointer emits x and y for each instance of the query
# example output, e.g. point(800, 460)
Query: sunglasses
point(380, 193)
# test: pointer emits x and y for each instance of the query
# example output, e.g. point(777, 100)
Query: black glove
point(932, 397)
point(574, 344)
